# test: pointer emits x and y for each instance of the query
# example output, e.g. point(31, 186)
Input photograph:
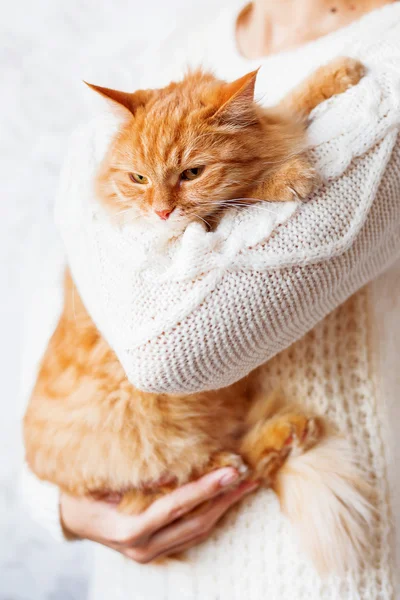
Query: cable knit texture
point(268, 274)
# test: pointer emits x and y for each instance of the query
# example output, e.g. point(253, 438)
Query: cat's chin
point(152, 224)
point(169, 229)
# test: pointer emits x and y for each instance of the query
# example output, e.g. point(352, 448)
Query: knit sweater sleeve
point(197, 330)
point(217, 305)
point(251, 316)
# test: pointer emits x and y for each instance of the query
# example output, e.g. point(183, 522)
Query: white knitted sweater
point(346, 367)
point(268, 274)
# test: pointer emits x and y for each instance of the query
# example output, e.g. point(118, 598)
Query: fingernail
point(228, 476)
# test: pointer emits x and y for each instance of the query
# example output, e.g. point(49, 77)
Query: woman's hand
point(159, 530)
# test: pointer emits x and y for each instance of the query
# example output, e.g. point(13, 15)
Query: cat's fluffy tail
point(326, 497)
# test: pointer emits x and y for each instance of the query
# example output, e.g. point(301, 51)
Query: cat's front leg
point(336, 77)
point(295, 180)
point(267, 445)
point(223, 459)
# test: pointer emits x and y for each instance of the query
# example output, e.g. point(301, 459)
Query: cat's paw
point(305, 433)
point(296, 180)
point(301, 186)
point(268, 444)
point(347, 73)
point(228, 459)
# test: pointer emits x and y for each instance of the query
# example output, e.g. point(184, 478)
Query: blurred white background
point(47, 48)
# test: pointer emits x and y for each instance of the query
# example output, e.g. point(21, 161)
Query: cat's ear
point(123, 104)
point(235, 101)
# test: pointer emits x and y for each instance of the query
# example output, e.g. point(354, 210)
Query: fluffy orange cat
point(187, 151)
point(87, 429)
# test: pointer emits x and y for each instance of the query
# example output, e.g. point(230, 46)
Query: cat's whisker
point(120, 212)
point(126, 215)
point(263, 208)
point(251, 202)
point(199, 217)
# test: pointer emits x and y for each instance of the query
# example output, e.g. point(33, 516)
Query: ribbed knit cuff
point(42, 502)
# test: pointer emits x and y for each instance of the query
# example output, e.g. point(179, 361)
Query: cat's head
point(183, 151)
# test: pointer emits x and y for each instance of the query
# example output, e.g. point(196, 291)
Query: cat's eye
point(190, 174)
point(136, 178)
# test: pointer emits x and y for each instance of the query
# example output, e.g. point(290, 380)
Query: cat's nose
point(163, 214)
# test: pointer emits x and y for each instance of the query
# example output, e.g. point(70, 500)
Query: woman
point(231, 45)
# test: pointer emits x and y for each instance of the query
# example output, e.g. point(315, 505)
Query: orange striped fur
point(87, 429)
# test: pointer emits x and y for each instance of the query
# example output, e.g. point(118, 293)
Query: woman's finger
point(188, 531)
point(100, 521)
point(171, 507)
point(142, 559)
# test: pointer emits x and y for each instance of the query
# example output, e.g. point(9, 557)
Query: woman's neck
point(270, 26)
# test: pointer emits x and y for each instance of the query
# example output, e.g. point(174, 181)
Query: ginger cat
point(189, 150)
point(87, 429)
